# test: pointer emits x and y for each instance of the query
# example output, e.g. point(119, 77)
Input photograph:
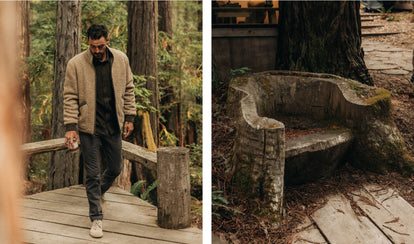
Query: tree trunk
point(322, 37)
point(173, 187)
point(24, 49)
point(165, 12)
point(64, 167)
point(10, 127)
point(165, 16)
point(142, 50)
point(123, 181)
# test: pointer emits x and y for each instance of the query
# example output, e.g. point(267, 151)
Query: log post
point(173, 193)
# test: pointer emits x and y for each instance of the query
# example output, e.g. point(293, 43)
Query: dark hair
point(95, 32)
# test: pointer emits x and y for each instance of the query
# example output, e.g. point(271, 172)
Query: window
point(227, 13)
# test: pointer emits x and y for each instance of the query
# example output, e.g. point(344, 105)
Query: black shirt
point(106, 122)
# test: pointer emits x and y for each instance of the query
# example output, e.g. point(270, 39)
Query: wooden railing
point(171, 165)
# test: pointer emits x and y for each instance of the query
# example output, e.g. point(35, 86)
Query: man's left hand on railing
point(69, 136)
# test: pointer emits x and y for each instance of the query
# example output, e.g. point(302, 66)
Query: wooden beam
point(44, 146)
point(139, 154)
point(130, 151)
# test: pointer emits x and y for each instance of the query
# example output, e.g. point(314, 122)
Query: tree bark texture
point(165, 16)
point(165, 12)
point(258, 161)
point(10, 127)
point(173, 187)
point(64, 167)
point(24, 48)
point(124, 179)
point(322, 37)
point(24, 51)
point(142, 50)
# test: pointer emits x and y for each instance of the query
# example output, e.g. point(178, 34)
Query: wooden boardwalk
point(61, 216)
point(373, 214)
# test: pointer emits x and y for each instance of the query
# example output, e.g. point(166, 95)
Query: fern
point(149, 189)
point(135, 188)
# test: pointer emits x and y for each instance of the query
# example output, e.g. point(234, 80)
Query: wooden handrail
point(174, 192)
point(44, 146)
point(139, 154)
point(130, 151)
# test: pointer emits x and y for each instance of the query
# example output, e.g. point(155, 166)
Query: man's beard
point(98, 56)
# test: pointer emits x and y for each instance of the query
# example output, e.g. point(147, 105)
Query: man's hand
point(69, 136)
point(128, 128)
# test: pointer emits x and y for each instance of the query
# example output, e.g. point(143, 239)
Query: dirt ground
point(233, 223)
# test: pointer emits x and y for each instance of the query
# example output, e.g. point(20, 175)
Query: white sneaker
point(96, 229)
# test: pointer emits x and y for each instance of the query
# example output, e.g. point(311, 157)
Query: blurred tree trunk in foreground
point(10, 127)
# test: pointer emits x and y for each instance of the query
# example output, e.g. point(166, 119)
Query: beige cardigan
point(79, 95)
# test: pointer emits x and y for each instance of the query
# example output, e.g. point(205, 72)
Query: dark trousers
point(96, 185)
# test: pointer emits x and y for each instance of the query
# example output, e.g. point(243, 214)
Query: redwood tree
point(169, 108)
point(24, 49)
point(322, 37)
point(165, 16)
point(142, 50)
point(64, 168)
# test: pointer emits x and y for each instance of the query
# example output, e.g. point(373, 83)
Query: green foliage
point(239, 72)
point(167, 139)
point(112, 14)
point(196, 154)
point(196, 169)
point(136, 189)
point(142, 94)
point(218, 200)
point(148, 190)
point(180, 64)
point(40, 64)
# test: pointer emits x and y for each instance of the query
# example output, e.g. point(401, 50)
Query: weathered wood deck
point(61, 216)
point(374, 214)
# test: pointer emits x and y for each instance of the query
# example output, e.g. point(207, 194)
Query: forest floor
point(233, 223)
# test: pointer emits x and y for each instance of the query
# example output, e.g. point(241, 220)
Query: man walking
point(99, 101)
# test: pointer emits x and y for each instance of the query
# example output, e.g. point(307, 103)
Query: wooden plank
point(44, 146)
point(109, 196)
point(245, 32)
point(30, 236)
point(393, 202)
point(308, 233)
point(139, 154)
point(83, 233)
point(120, 227)
point(114, 211)
point(391, 213)
point(339, 224)
point(379, 34)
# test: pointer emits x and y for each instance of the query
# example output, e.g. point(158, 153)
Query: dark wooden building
point(244, 35)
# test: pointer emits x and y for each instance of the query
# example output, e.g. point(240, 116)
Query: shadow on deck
point(61, 216)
